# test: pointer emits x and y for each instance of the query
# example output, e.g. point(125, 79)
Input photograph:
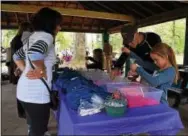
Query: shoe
point(47, 133)
point(28, 129)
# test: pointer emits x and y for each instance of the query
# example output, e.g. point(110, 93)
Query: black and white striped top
point(40, 47)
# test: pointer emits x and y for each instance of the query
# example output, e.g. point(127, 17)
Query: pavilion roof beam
point(16, 15)
point(83, 22)
point(105, 7)
point(133, 10)
point(92, 24)
point(157, 5)
point(72, 18)
point(142, 7)
point(68, 12)
point(163, 17)
point(118, 28)
point(66, 4)
point(84, 6)
point(28, 17)
point(99, 28)
point(7, 19)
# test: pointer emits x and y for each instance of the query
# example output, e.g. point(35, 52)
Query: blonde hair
point(164, 50)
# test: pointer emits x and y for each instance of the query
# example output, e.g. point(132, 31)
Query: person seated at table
point(164, 57)
point(97, 60)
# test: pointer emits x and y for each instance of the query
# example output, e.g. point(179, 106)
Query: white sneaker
point(28, 129)
point(47, 133)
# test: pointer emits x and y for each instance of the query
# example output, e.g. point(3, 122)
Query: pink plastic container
point(141, 96)
point(112, 86)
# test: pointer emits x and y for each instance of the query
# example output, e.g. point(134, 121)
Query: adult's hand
point(133, 67)
point(125, 50)
point(36, 74)
point(132, 73)
point(17, 72)
point(114, 73)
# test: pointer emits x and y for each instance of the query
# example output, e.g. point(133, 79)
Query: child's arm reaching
point(156, 80)
point(145, 64)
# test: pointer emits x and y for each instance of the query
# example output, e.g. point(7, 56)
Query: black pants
point(37, 116)
point(20, 109)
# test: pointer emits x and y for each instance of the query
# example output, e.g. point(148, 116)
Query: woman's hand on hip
point(36, 74)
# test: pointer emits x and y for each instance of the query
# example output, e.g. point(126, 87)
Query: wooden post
point(107, 49)
point(105, 37)
point(186, 44)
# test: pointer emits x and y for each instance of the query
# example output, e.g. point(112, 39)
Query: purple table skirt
point(155, 120)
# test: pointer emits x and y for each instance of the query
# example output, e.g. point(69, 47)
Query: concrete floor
point(12, 125)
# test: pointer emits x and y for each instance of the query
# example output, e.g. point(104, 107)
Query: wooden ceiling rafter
point(28, 20)
point(66, 4)
point(71, 23)
point(4, 23)
point(176, 5)
point(157, 5)
point(133, 10)
point(125, 10)
point(17, 19)
point(99, 28)
point(104, 6)
point(166, 5)
point(7, 19)
point(118, 9)
point(164, 17)
point(111, 7)
point(38, 3)
point(84, 6)
point(72, 18)
point(92, 6)
point(83, 21)
point(143, 7)
point(54, 4)
point(93, 22)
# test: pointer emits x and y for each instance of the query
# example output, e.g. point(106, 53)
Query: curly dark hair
point(46, 20)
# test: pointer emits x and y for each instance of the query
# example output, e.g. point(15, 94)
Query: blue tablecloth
point(155, 120)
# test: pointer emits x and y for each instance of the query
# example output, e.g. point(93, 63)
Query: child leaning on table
point(164, 58)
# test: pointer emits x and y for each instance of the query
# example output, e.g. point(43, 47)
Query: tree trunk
point(80, 51)
point(173, 34)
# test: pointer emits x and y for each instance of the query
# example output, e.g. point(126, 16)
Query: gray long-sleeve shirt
point(162, 80)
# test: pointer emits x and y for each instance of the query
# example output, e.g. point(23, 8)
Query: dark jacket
point(15, 44)
point(142, 51)
point(95, 64)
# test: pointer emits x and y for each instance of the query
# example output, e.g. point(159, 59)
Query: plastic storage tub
point(112, 86)
point(95, 75)
point(141, 96)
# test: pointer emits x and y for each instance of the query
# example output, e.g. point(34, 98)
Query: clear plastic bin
point(112, 86)
point(141, 96)
point(94, 75)
point(146, 92)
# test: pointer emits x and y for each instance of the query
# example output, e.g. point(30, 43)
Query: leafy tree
point(64, 40)
point(172, 33)
point(7, 36)
point(116, 42)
